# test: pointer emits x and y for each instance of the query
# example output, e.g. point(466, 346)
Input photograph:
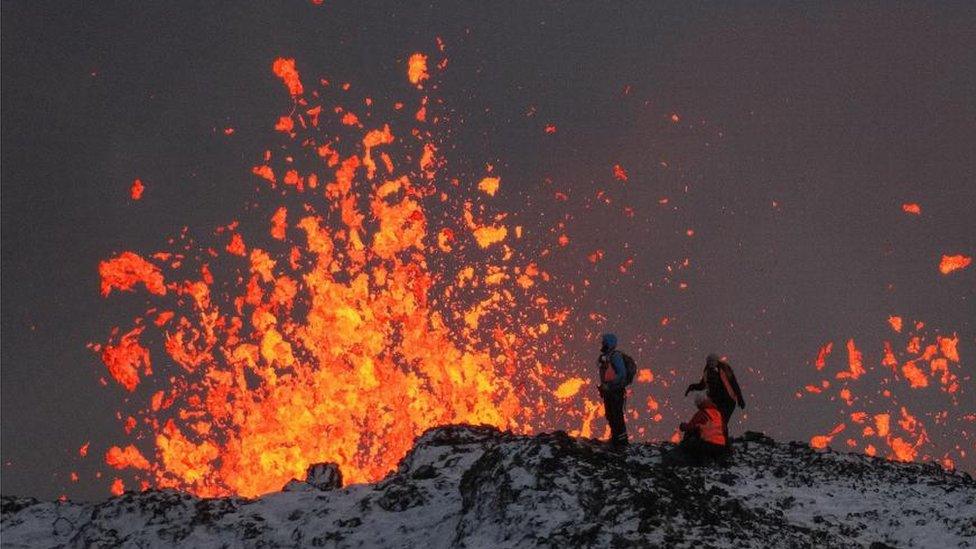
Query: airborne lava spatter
point(335, 340)
point(876, 397)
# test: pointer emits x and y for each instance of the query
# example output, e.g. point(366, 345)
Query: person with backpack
point(721, 387)
point(617, 370)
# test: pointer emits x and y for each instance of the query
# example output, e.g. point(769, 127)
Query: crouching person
point(704, 438)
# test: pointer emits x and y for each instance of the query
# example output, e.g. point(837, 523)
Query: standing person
point(613, 388)
point(722, 388)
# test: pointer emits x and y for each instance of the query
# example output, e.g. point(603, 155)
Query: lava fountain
point(376, 301)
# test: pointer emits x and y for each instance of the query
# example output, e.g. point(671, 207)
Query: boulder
point(324, 476)
point(318, 477)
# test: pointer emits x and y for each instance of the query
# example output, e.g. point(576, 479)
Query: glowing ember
point(120, 458)
point(619, 173)
point(569, 388)
point(285, 69)
point(417, 68)
point(854, 361)
point(952, 263)
point(821, 441)
point(489, 185)
point(895, 322)
point(136, 190)
point(127, 270)
point(127, 359)
point(912, 208)
point(823, 354)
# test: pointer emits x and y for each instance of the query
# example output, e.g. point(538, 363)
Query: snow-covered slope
point(467, 486)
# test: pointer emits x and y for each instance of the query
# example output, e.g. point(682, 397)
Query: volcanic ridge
point(465, 486)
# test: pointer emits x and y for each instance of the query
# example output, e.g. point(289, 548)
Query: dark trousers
point(697, 447)
point(693, 451)
point(614, 401)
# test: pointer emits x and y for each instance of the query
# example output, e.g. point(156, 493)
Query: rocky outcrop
point(464, 486)
point(318, 476)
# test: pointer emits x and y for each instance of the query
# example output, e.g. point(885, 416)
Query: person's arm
point(735, 386)
point(696, 386)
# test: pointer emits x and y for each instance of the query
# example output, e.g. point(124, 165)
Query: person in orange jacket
point(704, 436)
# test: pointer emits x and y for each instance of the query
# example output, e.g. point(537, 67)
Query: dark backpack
point(631, 367)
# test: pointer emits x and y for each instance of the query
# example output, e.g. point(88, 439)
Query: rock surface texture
point(464, 486)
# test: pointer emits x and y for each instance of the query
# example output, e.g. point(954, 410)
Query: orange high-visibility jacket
point(709, 423)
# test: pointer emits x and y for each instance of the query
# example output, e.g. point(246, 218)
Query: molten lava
point(951, 263)
point(929, 363)
point(333, 339)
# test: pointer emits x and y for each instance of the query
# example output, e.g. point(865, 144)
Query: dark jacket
point(720, 382)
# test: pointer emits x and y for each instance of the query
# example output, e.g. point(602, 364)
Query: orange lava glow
point(931, 364)
point(951, 263)
point(128, 269)
point(489, 185)
point(570, 387)
point(285, 70)
point(911, 208)
point(619, 172)
point(120, 458)
point(135, 191)
point(331, 338)
point(117, 488)
point(895, 322)
point(417, 68)
point(821, 441)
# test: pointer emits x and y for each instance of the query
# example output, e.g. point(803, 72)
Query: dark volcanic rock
point(318, 476)
point(324, 476)
point(464, 486)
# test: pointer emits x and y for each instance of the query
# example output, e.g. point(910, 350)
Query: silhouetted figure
point(722, 388)
point(613, 388)
point(704, 437)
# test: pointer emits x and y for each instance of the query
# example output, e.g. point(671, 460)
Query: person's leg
point(712, 451)
point(681, 454)
point(615, 417)
point(726, 408)
point(621, 422)
point(693, 450)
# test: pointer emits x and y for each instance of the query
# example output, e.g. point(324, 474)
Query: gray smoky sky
point(837, 113)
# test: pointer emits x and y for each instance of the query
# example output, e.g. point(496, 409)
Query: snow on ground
point(467, 486)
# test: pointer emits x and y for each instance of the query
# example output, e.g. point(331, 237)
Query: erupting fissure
point(337, 340)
